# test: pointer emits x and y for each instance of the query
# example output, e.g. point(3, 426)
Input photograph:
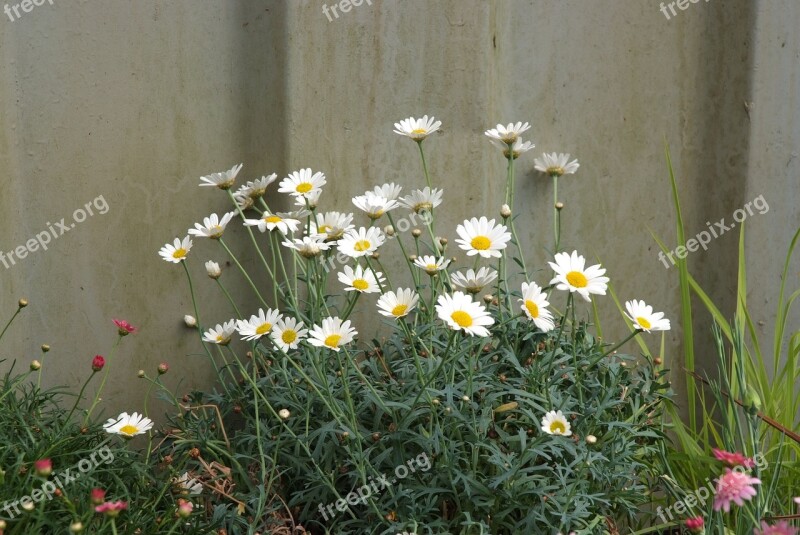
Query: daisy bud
point(98, 362)
point(22, 302)
point(35, 365)
point(412, 257)
point(416, 233)
point(752, 401)
point(388, 230)
point(190, 321)
point(163, 368)
point(184, 508)
point(140, 374)
point(436, 401)
point(28, 506)
point(488, 298)
point(695, 525)
point(657, 361)
point(97, 496)
point(465, 398)
point(505, 211)
point(284, 414)
point(45, 348)
point(213, 269)
point(2, 525)
point(43, 467)
point(443, 242)
point(559, 206)
point(75, 527)
point(591, 439)
point(376, 255)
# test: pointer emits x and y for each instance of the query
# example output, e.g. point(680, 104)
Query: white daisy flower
point(332, 225)
point(361, 242)
point(333, 334)
point(644, 318)
point(482, 237)
point(374, 205)
point(390, 191)
point(417, 129)
point(473, 281)
point(128, 425)
point(571, 275)
point(554, 423)
point(269, 221)
point(425, 199)
point(302, 183)
point(398, 304)
point(221, 334)
point(310, 200)
point(187, 484)
point(258, 187)
point(258, 325)
point(509, 133)
point(243, 200)
point(176, 252)
point(213, 269)
point(308, 246)
point(534, 303)
point(361, 280)
point(431, 264)
point(212, 226)
point(223, 180)
point(518, 147)
point(460, 312)
point(287, 333)
point(556, 164)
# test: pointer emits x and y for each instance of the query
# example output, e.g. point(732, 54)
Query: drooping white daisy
point(517, 148)
point(308, 246)
point(361, 280)
point(509, 133)
point(534, 303)
point(213, 270)
point(554, 423)
point(223, 180)
point(425, 199)
point(554, 164)
point(461, 313)
point(258, 325)
point(243, 200)
point(271, 221)
point(374, 205)
point(333, 334)
point(212, 227)
point(571, 275)
point(187, 484)
point(332, 225)
point(128, 425)
point(311, 200)
point(221, 334)
point(287, 333)
point(644, 318)
point(258, 187)
point(302, 183)
point(361, 242)
point(417, 129)
point(176, 252)
point(431, 264)
point(473, 281)
point(398, 304)
point(391, 191)
point(482, 237)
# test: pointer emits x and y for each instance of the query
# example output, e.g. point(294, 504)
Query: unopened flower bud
point(190, 321)
point(559, 206)
point(28, 505)
point(184, 508)
point(36, 365)
point(98, 362)
point(505, 211)
point(412, 257)
point(443, 242)
point(376, 255)
point(658, 361)
point(388, 230)
point(591, 439)
point(43, 467)
point(752, 401)
point(45, 348)
point(436, 401)
point(465, 398)
point(22, 302)
point(416, 233)
point(488, 298)
point(163, 368)
point(284, 414)
point(140, 374)
point(75, 527)
point(213, 269)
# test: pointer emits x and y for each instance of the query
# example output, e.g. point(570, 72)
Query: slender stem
point(102, 383)
point(556, 215)
point(230, 299)
point(607, 353)
point(510, 202)
point(244, 272)
point(10, 322)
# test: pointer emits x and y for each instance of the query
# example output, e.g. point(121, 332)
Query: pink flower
point(98, 496)
point(733, 459)
point(98, 362)
point(163, 368)
point(734, 487)
point(124, 327)
point(184, 508)
point(695, 525)
point(111, 508)
point(781, 528)
point(43, 467)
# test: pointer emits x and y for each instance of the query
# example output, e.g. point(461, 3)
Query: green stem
point(102, 383)
point(244, 272)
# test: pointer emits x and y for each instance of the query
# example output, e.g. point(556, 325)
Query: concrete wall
point(135, 100)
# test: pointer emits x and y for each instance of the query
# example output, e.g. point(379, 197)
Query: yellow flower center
point(304, 187)
point(128, 429)
point(362, 245)
point(360, 284)
point(427, 206)
point(558, 428)
point(533, 309)
point(555, 171)
point(418, 131)
point(376, 214)
point(324, 229)
point(288, 336)
point(263, 328)
point(643, 322)
point(461, 318)
point(220, 338)
point(333, 340)
point(432, 267)
point(273, 219)
point(179, 253)
point(399, 310)
point(577, 279)
point(481, 243)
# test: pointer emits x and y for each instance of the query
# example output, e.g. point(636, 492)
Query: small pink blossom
point(98, 496)
point(124, 328)
point(695, 525)
point(733, 459)
point(111, 508)
point(734, 487)
point(43, 467)
point(781, 528)
point(184, 508)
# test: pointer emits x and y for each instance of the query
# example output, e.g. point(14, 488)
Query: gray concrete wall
point(134, 101)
